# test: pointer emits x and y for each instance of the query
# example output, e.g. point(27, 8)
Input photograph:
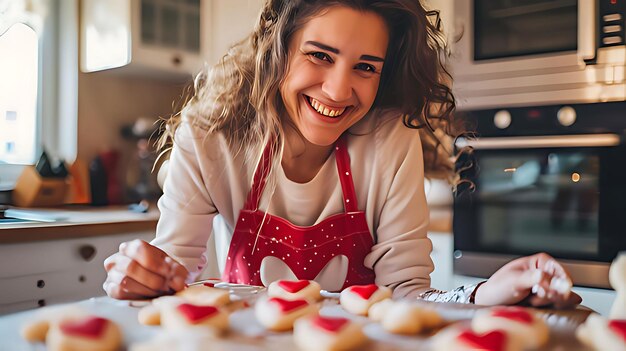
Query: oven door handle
point(537, 142)
point(587, 31)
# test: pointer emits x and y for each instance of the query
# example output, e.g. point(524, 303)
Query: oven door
point(520, 52)
point(563, 195)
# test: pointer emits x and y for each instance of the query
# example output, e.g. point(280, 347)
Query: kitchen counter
point(79, 223)
point(247, 334)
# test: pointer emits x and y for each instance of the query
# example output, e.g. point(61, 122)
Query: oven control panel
point(612, 14)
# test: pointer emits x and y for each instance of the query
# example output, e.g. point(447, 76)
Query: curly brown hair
point(240, 96)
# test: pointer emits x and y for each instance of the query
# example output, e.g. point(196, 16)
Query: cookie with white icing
point(328, 333)
point(464, 339)
point(187, 315)
point(519, 322)
point(279, 314)
point(84, 333)
point(378, 310)
point(205, 294)
point(358, 299)
point(406, 317)
point(603, 334)
point(295, 290)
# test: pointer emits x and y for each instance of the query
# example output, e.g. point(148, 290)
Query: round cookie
point(86, 333)
point(378, 310)
point(151, 314)
point(603, 334)
point(464, 339)
point(357, 299)
point(279, 314)
point(404, 317)
point(35, 329)
point(205, 294)
point(295, 290)
point(327, 333)
point(517, 321)
point(187, 315)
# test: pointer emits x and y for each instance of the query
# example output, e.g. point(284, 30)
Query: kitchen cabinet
point(161, 38)
point(55, 271)
point(167, 39)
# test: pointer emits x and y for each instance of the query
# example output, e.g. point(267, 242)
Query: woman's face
point(335, 62)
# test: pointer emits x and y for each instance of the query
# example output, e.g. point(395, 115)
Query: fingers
point(131, 268)
point(120, 281)
point(149, 256)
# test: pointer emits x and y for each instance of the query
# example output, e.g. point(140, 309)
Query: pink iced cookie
point(519, 322)
point(358, 299)
point(84, 333)
point(603, 334)
point(295, 290)
point(279, 314)
point(328, 333)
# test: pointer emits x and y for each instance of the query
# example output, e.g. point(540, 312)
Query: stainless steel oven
point(544, 185)
point(538, 52)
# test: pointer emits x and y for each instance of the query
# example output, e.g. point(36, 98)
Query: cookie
point(357, 299)
point(328, 333)
point(84, 333)
point(295, 290)
point(405, 317)
point(205, 294)
point(187, 315)
point(378, 310)
point(464, 339)
point(178, 340)
point(36, 329)
point(519, 322)
point(603, 334)
point(279, 314)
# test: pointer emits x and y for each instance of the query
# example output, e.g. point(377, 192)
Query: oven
point(538, 52)
point(543, 183)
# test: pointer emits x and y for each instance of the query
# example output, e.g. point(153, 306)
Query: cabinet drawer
point(18, 260)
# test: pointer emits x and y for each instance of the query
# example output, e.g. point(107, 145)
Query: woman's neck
point(302, 160)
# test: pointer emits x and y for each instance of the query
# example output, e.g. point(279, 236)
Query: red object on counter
point(293, 287)
point(110, 161)
point(492, 341)
point(90, 327)
point(364, 291)
point(618, 326)
point(331, 324)
point(288, 305)
point(195, 313)
point(517, 314)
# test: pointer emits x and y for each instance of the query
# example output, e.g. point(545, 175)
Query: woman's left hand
point(527, 279)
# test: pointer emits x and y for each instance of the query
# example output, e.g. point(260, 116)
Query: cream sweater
point(207, 184)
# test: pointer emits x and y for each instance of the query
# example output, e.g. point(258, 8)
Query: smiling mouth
point(324, 110)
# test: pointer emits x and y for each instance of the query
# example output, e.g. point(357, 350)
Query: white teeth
point(324, 110)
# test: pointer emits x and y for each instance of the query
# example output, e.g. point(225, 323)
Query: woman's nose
point(337, 85)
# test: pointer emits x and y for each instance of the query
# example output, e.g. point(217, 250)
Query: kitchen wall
point(108, 100)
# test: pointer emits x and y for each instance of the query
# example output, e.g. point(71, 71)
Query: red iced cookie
point(195, 313)
point(331, 324)
point(91, 327)
point(288, 305)
point(293, 287)
point(492, 341)
point(514, 313)
point(365, 291)
point(618, 326)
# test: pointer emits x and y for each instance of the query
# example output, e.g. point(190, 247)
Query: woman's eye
point(321, 56)
point(366, 67)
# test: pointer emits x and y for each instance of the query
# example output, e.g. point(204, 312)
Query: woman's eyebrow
point(336, 51)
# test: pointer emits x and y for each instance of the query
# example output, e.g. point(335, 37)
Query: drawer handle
point(87, 252)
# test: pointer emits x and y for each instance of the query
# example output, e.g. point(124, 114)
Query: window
point(19, 69)
point(38, 83)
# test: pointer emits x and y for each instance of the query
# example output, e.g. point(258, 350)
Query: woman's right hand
point(140, 270)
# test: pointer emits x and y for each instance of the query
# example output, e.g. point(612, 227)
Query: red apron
point(305, 250)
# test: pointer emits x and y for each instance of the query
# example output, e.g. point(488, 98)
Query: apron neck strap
point(343, 166)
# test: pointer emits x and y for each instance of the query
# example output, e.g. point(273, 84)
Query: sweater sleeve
point(187, 209)
point(401, 254)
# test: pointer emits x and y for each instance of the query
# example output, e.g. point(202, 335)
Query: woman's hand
point(140, 270)
point(527, 279)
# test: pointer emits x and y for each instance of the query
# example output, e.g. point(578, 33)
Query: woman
point(305, 142)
